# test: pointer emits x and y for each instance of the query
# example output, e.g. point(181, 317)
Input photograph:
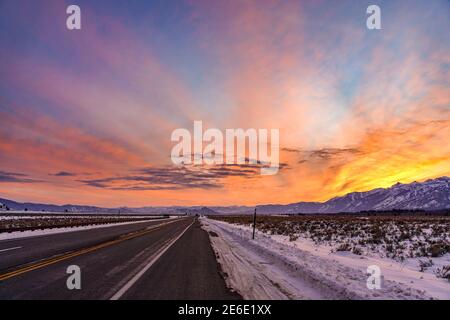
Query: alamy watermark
point(374, 20)
point(73, 282)
point(374, 279)
point(73, 21)
point(236, 146)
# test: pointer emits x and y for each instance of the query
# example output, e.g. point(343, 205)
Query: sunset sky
point(87, 115)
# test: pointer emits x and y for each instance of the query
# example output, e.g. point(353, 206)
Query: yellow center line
point(66, 256)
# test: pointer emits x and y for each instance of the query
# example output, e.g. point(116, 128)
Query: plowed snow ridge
point(266, 269)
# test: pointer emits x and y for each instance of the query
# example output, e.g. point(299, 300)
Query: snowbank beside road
point(40, 232)
point(267, 268)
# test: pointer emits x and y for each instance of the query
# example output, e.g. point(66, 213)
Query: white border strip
point(9, 249)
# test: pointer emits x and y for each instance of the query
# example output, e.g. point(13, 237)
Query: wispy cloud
point(16, 177)
point(63, 174)
point(326, 153)
point(177, 178)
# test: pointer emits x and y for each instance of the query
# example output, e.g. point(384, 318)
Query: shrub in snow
point(343, 247)
point(443, 272)
point(439, 249)
point(425, 264)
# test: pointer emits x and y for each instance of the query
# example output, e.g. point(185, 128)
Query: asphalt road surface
point(163, 259)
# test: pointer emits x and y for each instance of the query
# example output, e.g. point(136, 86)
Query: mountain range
point(433, 194)
point(430, 195)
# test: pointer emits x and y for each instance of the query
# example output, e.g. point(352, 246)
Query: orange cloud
point(355, 111)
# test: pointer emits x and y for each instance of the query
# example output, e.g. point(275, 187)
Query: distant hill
point(13, 205)
point(18, 206)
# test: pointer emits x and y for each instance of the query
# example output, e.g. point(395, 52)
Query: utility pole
point(254, 223)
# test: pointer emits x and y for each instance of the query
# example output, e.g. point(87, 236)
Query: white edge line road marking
point(3, 250)
point(133, 280)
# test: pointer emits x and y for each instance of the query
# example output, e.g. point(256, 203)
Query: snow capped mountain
point(433, 194)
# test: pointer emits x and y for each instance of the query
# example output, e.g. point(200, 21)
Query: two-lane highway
point(44, 246)
point(164, 259)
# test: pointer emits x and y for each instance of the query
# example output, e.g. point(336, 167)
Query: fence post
point(254, 223)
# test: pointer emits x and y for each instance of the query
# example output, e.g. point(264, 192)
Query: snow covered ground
point(31, 233)
point(272, 267)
